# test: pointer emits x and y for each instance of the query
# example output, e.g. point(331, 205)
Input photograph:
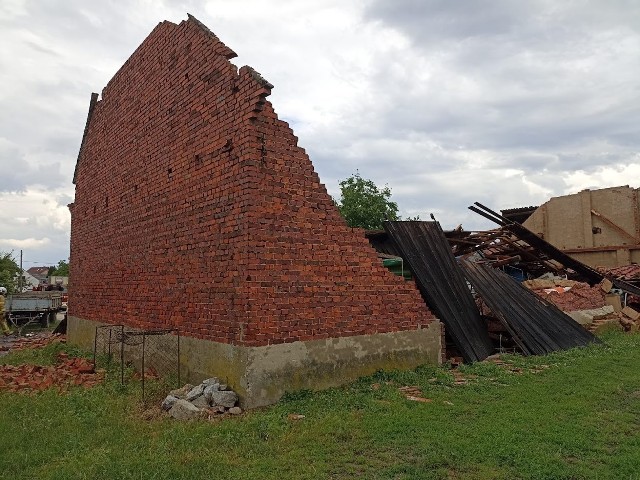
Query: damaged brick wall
point(195, 208)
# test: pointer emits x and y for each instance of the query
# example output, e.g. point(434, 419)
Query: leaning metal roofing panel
point(441, 282)
point(536, 325)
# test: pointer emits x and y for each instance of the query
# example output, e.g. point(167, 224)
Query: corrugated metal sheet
point(442, 284)
point(537, 326)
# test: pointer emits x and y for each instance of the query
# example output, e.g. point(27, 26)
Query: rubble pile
point(67, 372)
point(618, 321)
point(209, 398)
point(625, 272)
point(585, 304)
point(628, 273)
point(37, 340)
point(568, 295)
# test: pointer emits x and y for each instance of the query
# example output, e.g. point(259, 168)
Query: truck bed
point(34, 302)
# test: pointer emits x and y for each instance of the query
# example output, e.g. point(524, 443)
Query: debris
point(184, 410)
point(631, 313)
point(67, 372)
point(195, 392)
point(209, 389)
point(226, 398)
point(606, 285)
point(614, 300)
point(587, 317)
point(418, 399)
point(181, 392)
point(168, 402)
point(414, 394)
point(38, 340)
point(580, 297)
point(551, 252)
point(201, 402)
point(207, 397)
point(295, 416)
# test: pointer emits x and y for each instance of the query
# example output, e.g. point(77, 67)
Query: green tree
point(9, 272)
point(364, 205)
point(61, 270)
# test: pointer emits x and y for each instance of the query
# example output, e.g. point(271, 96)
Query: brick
point(196, 208)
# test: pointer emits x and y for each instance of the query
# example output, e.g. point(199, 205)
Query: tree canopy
point(61, 270)
point(9, 272)
point(364, 205)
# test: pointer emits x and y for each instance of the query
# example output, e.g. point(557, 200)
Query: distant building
point(29, 281)
point(598, 227)
point(41, 273)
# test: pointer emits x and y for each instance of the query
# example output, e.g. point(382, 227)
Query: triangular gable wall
point(195, 208)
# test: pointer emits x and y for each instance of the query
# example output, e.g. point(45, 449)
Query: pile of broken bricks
point(67, 372)
point(593, 307)
point(568, 295)
point(208, 399)
point(38, 340)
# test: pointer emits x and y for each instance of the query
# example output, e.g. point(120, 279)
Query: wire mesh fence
point(153, 354)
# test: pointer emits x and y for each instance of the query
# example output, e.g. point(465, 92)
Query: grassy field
point(570, 415)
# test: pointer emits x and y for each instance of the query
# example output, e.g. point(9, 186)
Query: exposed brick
point(195, 208)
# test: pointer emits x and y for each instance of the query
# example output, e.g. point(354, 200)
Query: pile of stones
point(209, 398)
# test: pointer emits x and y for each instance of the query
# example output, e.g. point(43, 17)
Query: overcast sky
point(447, 102)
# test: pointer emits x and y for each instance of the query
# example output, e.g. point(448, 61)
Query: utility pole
point(21, 274)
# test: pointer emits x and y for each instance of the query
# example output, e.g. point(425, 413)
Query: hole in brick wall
point(135, 188)
point(170, 171)
point(596, 230)
point(94, 209)
point(186, 75)
point(248, 278)
point(198, 159)
point(235, 89)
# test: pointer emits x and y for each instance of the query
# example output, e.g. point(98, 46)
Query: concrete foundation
point(261, 375)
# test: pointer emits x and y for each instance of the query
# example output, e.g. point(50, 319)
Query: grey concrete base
point(261, 375)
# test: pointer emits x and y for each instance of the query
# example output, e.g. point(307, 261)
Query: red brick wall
point(196, 209)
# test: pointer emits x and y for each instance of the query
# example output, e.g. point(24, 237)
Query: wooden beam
point(615, 226)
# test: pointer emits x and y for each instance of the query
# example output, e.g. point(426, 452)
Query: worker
point(3, 316)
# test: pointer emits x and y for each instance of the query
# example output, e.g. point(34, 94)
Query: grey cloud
point(442, 19)
point(542, 88)
point(524, 60)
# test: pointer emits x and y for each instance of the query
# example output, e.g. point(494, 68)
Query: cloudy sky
point(503, 102)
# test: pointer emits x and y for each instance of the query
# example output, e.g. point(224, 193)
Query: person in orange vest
point(3, 317)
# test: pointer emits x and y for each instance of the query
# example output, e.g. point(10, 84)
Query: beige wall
point(568, 222)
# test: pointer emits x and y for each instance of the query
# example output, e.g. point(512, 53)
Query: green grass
point(570, 415)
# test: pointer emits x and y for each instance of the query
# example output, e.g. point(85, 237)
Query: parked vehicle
point(30, 307)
